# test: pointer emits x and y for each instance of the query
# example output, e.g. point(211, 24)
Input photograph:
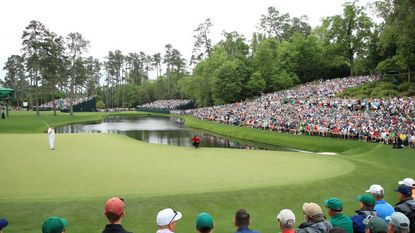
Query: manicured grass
point(75, 180)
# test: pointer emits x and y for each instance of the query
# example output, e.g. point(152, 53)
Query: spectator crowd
point(314, 109)
point(374, 215)
point(63, 103)
point(166, 104)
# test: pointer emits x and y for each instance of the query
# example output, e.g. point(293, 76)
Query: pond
point(162, 130)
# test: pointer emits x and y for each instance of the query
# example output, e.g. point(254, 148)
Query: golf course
point(74, 180)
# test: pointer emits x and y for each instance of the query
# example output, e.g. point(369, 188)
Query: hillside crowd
point(166, 104)
point(314, 109)
point(374, 215)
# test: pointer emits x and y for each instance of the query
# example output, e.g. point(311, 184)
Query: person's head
point(114, 209)
point(408, 182)
point(286, 219)
point(242, 218)
point(337, 230)
point(398, 223)
point(376, 191)
point(54, 225)
point(3, 224)
point(404, 192)
point(334, 206)
point(312, 212)
point(204, 223)
point(375, 224)
point(167, 218)
point(367, 202)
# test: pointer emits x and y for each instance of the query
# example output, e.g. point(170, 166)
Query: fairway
point(102, 165)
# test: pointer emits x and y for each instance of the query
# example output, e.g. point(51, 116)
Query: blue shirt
point(245, 230)
point(383, 209)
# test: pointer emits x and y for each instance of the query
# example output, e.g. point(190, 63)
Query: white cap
point(167, 216)
point(408, 182)
point(285, 215)
point(375, 188)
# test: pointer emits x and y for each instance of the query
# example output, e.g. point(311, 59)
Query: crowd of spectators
point(314, 109)
point(166, 104)
point(64, 103)
point(374, 215)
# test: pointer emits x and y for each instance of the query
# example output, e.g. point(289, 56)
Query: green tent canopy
point(6, 93)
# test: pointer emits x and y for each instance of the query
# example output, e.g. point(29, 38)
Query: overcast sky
point(145, 25)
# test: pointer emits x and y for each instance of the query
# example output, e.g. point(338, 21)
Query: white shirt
point(164, 231)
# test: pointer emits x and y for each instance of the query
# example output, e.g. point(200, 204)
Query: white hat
point(408, 182)
point(167, 216)
point(285, 215)
point(375, 188)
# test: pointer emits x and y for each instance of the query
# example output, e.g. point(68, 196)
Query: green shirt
point(342, 221)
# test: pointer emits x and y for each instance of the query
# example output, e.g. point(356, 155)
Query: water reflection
point(159, 130)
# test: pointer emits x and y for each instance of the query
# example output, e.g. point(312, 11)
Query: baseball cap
point(54, 225)
point(3, 223)
point(285, 216)
point(398, 219)
point(167, 216)
point(408, 182)
point(312, 209)
point(204, 221)
point(114, 205)
point(375, 224)
point(334, 204)
point(366, 199)
point(375, 188)
point(406, 190)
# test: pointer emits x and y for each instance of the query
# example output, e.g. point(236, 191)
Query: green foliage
point(387, 86)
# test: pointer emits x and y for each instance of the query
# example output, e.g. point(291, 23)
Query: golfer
point(51, 135)
point(196, 141)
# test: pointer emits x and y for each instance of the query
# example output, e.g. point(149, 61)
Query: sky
point(145, 25)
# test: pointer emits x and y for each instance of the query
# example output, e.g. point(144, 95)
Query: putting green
point(102, 165)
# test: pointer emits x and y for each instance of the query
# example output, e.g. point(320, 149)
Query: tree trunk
point(37, 94)
point(409, 77)
point(53, 103)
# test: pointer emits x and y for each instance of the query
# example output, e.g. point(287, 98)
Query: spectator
point(406, 204)
point(410, 183)
point(314, 221)
point(336, 230)
point(166, 220)
point(114, 211)
point(382, 208)
point(398, 223)
point(242, 221)
point(338, 219)
point(3, 224)
point(286, 219)
point(54, 225)
point(375, 225)
point(204, 223)
point(367, 203)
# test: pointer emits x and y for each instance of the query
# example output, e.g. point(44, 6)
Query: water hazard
point(161, 130)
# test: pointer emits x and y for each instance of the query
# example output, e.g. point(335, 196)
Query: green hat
point(366, 199)
point(375, 224)
point(334, 204)
point(54, 225)
point(204, 221)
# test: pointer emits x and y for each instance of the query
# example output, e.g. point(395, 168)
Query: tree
point(350, 32)
point(93, 72)
point(399, 33)
point(275, 24)
point(157, 59)
point(203, 44)
point(15, 77)
point(52, 64)
point(76, 45)
point(33, 38)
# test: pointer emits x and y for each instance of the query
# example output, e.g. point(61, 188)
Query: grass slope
point(263, 182)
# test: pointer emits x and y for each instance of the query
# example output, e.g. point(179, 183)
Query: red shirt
point(196, 139)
